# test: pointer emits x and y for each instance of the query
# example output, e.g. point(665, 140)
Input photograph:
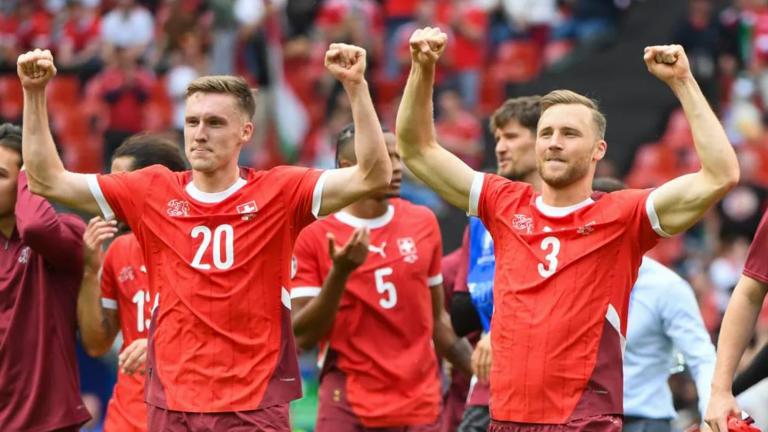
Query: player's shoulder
point(502, 185)
point(624, 196)
point(281, 172)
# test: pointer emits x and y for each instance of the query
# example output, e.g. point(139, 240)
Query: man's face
point(515, 155)
point(567, 144)
point(214, 131)
point(10, 162)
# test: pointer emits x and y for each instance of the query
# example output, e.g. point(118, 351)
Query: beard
point(574, 171)
point(516, 174)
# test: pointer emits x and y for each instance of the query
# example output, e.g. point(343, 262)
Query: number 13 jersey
point(221, 338)
point(561, 293)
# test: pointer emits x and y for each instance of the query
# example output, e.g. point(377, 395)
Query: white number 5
point(385, 287)
point(546, 272)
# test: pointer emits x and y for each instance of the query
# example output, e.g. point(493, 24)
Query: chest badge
point(248, 210)
point(408, 250)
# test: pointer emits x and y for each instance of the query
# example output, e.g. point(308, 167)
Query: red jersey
point(220, 262)
point(561, 293)
point(125, 287)
point(382, 335)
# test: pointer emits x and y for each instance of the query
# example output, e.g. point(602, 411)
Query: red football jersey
point(561, 292)
point(756, 266)
point(220, 263)
point(125, 287)
point(382, 334)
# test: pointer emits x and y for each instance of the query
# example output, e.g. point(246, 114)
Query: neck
point(368, 208)
point(7, 224)
point(215, 181)
point(567, 196)
point(534, 180)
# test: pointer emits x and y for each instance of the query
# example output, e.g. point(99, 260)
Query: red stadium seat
point(12, 99)
point(64, 91)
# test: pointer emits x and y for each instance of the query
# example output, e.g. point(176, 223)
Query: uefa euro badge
point(248, 210)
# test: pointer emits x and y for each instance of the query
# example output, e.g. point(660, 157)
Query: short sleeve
point(109, 288)
point(639, 208)
point(486, 193)
point(306, 276)
point(303, 190)
point(757, 259)
point(435, 276)
point(123, 195)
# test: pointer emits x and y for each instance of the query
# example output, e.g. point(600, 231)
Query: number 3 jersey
point(221, 338)
point(125, 287)
point(381, 338)
point(561, 293)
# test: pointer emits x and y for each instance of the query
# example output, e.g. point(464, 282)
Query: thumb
point(331, 244)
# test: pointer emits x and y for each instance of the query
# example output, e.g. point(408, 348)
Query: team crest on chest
point(522, 222)
point(408, 250)
point(248, 210)
point(587, 229)
point(177, 208)
point(126, 274)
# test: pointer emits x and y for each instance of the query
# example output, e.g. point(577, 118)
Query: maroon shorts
point(335, 415)
point(271, 419)
point(600, 423)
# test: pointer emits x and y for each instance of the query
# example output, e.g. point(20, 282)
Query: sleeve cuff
point(299, 292)
point(108, 303)
point(317, 194)
point(650, 209)
point(474, 193)
point(435, 280)
point(98, 195)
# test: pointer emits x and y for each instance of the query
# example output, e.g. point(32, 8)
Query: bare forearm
point(370, 149)
point(96, 331)
point(41, 160)
point(415, 125)
point(316, 319)
point(454, 349)
point(718, 159)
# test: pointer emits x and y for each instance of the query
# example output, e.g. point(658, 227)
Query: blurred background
point(124, 65)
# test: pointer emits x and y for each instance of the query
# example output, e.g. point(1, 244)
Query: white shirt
point(127, 31)
point(664, 319)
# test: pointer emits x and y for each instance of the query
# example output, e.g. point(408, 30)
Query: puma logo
point(378, 250)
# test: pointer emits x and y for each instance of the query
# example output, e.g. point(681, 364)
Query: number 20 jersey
point(221, 338)
point(382, 334)
point(561, 294)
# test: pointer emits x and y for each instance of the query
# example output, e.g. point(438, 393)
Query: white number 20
point(384, 287)
point(225, 231)
point(551, 258)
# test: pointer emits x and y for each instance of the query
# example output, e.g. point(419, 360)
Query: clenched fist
point(667, 62)
point(427, 45)
point(35, 69)
point(346, 63)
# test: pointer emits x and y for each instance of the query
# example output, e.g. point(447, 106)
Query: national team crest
point(178, 208)
point(126, 274)
point(522, 222)
point(407, 248)
point(248, 209)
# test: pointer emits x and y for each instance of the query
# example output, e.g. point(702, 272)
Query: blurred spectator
point(320, 148)
point(469, 22)
point(128, 26)
point(398, 13)
point(726, 269)
point(186, 63)
point(699, 34)
point(175, 20)
point(252, 15)
point(23, 27)
point(527, 19)
point(356, 22)
point(426, 15)
point(79, 47)
point(458, 130)
point(125, 88)
point(590, 21)
point(223, 37)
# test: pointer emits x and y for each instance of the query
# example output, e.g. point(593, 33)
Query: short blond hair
point(226, 84)
point(567, 97)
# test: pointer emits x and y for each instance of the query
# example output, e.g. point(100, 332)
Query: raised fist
point(346, 63)
point(667, 62)
point(427, 45)
point(35, 69)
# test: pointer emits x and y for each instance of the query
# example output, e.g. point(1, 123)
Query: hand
point(96, 233)
point(481, 359)
point(427, 45)
point(35, 69)
point(667, 62)
point(346, 63)
point(721, 405)
point(353, 254)
point(133, 357)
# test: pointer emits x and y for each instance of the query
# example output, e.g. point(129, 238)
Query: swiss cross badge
point(248, 210)
point(407, 248)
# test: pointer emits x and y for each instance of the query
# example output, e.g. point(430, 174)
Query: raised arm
point(681, 202)
point(373, 170)
point(45, 171)
point(417, 142)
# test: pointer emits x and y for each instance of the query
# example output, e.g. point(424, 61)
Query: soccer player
point(375, 305)
point(217, 243)
point(514, 129)
point(565, 259)
point(122, 299)
point(41, 264)
point(664, 319)
point(736, 331)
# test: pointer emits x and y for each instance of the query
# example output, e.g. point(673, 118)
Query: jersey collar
point(374, 223)
point(214, 197)
point(553, 211)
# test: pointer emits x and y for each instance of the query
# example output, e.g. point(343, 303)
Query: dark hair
point(147, 150)
point(526, 110)
point(347, 136)
point(10, 138)
point(608, 184)
point(226, 84)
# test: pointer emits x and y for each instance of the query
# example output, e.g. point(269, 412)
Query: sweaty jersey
point(561, 293)
point(382, 335)
point(220, 263)
point(125, 287)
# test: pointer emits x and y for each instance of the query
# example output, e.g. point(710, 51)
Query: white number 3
point(546, 272)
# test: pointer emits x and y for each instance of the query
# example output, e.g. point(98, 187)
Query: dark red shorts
point(272, 419)
point(601, 423)
point(335, 415)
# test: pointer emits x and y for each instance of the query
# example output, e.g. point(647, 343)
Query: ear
point(600, 150)
point(246, 133)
